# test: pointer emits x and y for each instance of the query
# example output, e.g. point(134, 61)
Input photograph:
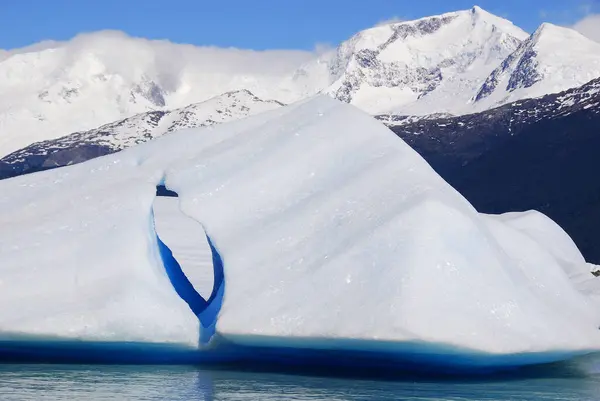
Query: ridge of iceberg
point(332, 235)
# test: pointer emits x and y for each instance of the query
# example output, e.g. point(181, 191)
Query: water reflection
point(102, 382)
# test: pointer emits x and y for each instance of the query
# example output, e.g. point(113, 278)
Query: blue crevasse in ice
point(338, 239)
point(206, 310)
point(181, 284)
point(208, 317)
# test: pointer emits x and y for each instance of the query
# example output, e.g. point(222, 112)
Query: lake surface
point(106, 382)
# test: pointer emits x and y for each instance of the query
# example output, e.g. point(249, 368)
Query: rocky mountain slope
point(103, 77)
point(452, 64)
point(112, 137)
point(537, 154)
point(551, 60)
point(419, 67)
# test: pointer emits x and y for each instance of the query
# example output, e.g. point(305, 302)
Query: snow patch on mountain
point(102, 77)
point(144, 127)
point(421, 66)
point(110, 138)
point(452, 64)
point(552, 60)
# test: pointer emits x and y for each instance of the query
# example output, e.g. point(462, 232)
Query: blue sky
point(254, 24)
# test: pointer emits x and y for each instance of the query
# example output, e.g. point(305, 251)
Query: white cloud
point(589, 26)
point(393, 20)
point(323, 48)
point(115, 52)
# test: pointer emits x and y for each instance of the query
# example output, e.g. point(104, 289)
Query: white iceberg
point(333, 234)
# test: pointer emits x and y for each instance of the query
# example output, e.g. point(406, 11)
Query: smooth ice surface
point(548, 235)
point(79, 260)
point(332, 231)
point(187, 240)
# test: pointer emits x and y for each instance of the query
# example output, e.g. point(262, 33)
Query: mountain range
point(118, 135)
point(508, 118)
point(453, 64)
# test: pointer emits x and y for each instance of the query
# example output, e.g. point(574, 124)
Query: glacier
point(335, 239)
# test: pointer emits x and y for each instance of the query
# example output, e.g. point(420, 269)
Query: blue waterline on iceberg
point(320, 356)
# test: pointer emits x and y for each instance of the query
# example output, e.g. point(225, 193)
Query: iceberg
point(187, 241)
point(326, 233)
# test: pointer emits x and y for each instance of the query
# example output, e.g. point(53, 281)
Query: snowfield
point(333, 233)
point(540, 65)
point(452, 64)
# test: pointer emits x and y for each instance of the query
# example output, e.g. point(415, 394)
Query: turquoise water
point(106, 382)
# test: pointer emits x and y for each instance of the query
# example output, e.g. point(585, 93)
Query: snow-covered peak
point(410, 64)
point(546, 28)
point(52, 89)
point(229, 106)
point(423, 31)
point(451, 64)
point(140, 128)
point(550, 39)
point(478, 13)
point(551, 60)
point(118, 135)
point(115, 53)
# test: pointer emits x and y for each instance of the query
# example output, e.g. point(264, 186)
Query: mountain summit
point(551, 60)
point(102, 77)
point(410, 67)
point(451, 64)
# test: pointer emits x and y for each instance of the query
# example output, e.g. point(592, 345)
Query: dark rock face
point(491, 83)
point(45, 155)
point(113, 137)
point(540, 154)
point(556, 175)
point(393, 74)
point(426, 26)
point(151, 91)
point(524, 75)
point(34, 162)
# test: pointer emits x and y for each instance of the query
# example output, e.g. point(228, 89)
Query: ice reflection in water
point(104, 382)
